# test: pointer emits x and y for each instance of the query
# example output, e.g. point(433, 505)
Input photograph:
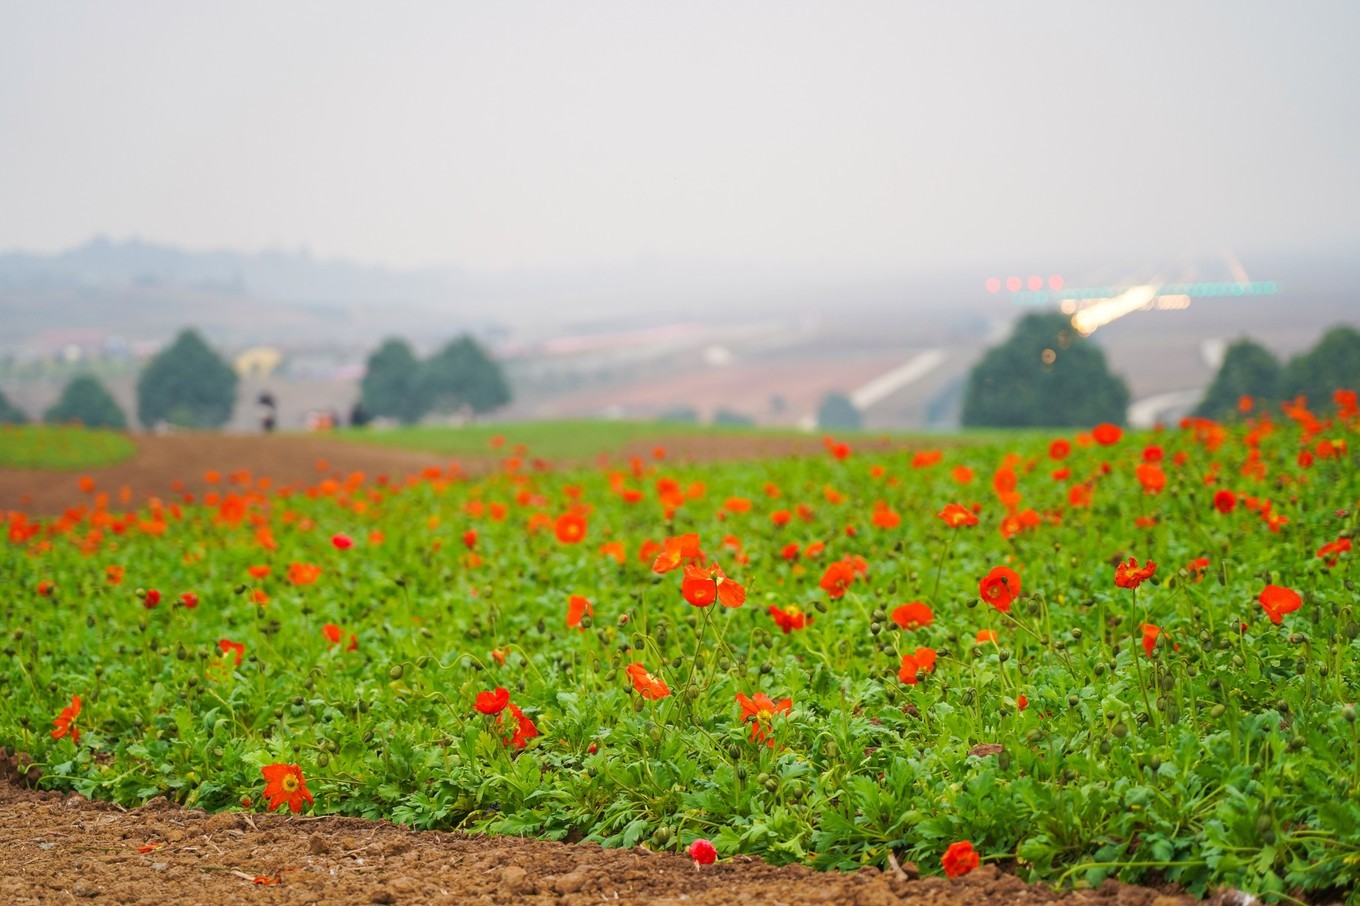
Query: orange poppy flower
point(259, 571)
point(955, 515)
point(1151, 477)
point(1000, 587)
point(1278, 601)
point(959, 859)
point(334, 634)
point(789, 618)
point(570, 528)
point(1332, 550)
point(1196, 568)
point(284, 785)
point(303, 573)
point(984, 636)
point(886, 518)
point(113, 575)
point(493, 702)
point(760, 712)
point(648, 686)
point(676, 552)
point(1150, 634)
point(701, 587)
point(923, 661)
point(64, 721)
point(913, 616)
point(837, 578)
point(46, 587)
point(578, 607)
point(523, 729)
point(1107, 434)
point(1131, 575)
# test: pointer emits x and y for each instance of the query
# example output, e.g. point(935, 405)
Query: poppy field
point(1082, 655)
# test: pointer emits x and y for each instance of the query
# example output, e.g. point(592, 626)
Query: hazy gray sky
point(839, 136)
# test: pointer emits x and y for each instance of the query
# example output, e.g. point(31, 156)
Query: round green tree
point(11, 414)
point(1045, 375)
point(187, 384)
point(1333, 364)
point(87, 401)
point(1248, 369)
point(391, 384)
point(462, 374)
point(838, 413)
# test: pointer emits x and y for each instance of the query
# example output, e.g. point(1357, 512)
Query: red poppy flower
point(702, 851)
point(1150, 634)
point(837, 578)
point(189, 599)
point(781, 518)
point(1225, 501)
point(1021, 703)
point(1131, 575)
point(1196, 568)
point(789, 618)
point(760, 712)
point(955, 515)
point(648, 686)
point(1278, 601)
point(1000, 587)
point(258, 571)
point(1107, 434)
point(151, 598)
point(229, 647)
point(46, 587)
point(342, 541)
point(886, 518)
point(334, 634)
point(959, 859)
point(493, 702)
point(677, 552)
point(578, 607)
point(701, 587)
point(923, 661)
point(1332, 550)
point(1151, 477)
point(64, 721)
point(284, 785)
point(523, 730)
point(570, 528)
point(914, 615)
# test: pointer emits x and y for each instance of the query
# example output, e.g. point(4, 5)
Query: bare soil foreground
point(304, 459)
point(56, 849)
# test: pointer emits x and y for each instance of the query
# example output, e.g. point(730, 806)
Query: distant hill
point(279, 276)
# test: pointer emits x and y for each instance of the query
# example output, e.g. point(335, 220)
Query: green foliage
point(463, 375)
point(1248, 369)
point(11, 414)
point(1223, 752)
point(1333, 364)
point(86, 401)
point(1045, 375)
point(728, 418)
point(61, 447)
point(837, 413)
point(391, 384)
point(187, 384)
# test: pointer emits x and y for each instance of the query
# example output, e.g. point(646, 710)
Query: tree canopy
point(11, 414)
point(838, 413)
point(1045, 375)
point(1248, 369)
point(391, 384)
point(87, 401)
point(462, 375)
point(187, 384)
point(1333, 364)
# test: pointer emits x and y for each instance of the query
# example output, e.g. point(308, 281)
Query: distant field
point(61, 447)
point(567, 440)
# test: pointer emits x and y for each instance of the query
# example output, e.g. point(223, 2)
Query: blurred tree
point(11, 414)
point(837, 413)
point(187, 384)
point(1248, 369)
point(730, 419)
point(391, 384)
point(463, 375)
point(1333, 364)
point(1045, 375)
point(684, 415)
point(85, 400)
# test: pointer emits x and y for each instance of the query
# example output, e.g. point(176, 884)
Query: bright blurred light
point(1013, 284)
point(1055, 282)
point(1103, 311)
point(993, 285)
point(1036, 283)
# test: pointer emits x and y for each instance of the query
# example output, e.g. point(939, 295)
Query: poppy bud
point(1348, 712)
point(240, 589)
point(1120, 730)
point(1218, 711)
